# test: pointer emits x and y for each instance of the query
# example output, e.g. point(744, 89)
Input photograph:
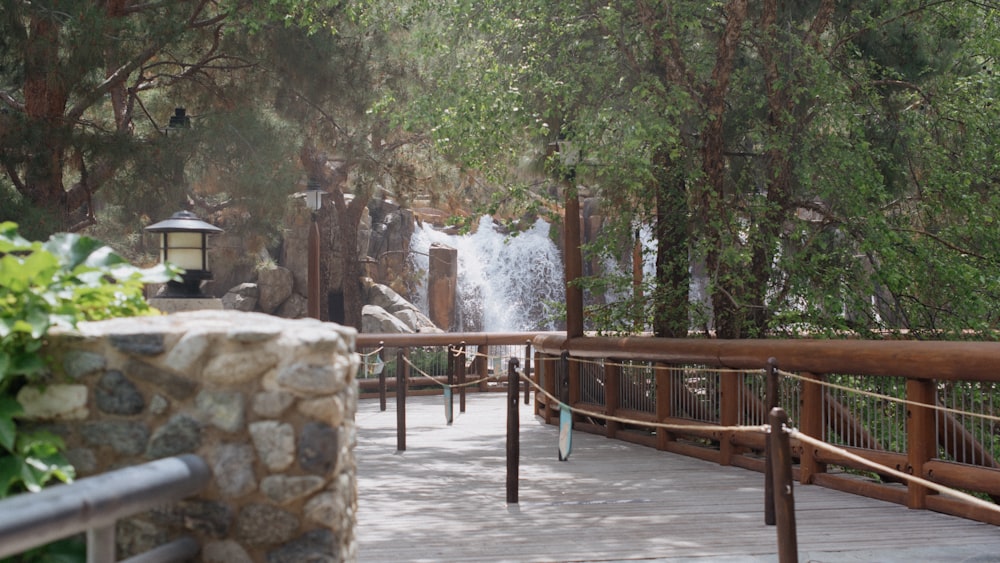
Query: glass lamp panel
point(314, 199)
point(184, 249)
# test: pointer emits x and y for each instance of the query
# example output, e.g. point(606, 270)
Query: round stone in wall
point(263, 524)
point(317, 546)
point(115, 394)
point(232, 468)
point(181, 434)
point(318, 448)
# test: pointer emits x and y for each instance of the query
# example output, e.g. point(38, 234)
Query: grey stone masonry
point(268, 402)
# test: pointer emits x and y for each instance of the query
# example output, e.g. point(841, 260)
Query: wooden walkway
point(443, 499)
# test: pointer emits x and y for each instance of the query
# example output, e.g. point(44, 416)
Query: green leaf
point(9, 408)
point(10, 473)
point(73, 249)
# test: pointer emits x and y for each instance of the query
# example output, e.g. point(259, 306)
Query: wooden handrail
point(968, 361)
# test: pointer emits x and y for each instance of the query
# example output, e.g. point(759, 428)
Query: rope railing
point(763, 429)
point(460, 352)
point(431, 378)
point(880, 468)
point(889, 398)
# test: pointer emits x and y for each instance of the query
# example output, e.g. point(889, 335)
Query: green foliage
point(850, 189)
point(58, 283)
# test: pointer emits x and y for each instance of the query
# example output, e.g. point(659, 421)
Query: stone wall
point(269, 403)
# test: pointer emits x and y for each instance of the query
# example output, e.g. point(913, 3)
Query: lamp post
point(314, 201)
point(184, 243)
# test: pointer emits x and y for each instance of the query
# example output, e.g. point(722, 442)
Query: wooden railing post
point(513, 431)
point(772, 403)
point(729, 404)
point(483, 366)
point(402, 369)
point(381, 382)
point(452, 362)
point(527, 373)
point(573, 383)
point(920, 436)
point(811, 424)
point(781, 455)
point(461, 376)
point(612, 394)
point(664, 392)
point(551, 385)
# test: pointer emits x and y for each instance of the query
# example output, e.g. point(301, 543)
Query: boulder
point(384, 297)
point(275, 285)
point(295, 307)
point(241, 298)
point(375, 319)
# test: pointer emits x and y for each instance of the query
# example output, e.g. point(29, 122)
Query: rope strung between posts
point(460, 352)
point(653, 366)
point(799, 378)
point(763, 429)
point(657, 367)
point(372, 353)
point(795, 433)
point(886, 397)
point(448, 385)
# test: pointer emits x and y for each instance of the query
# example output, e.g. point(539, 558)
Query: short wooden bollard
point(513, 431)
point(381, 382)
point(771, 398)
point(527, 373)
point(784, 501)
point(449, 391)
point(401, 369)
point(461, 376)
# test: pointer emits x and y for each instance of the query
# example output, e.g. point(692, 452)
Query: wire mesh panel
point(695, 394)
point(969, 438)
point(592, 382)
point(862, 417)
point(500, 356)
point(427, 362)
point(752, 399)
point(637, 387)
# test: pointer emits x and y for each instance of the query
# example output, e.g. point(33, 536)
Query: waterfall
point(506, 283)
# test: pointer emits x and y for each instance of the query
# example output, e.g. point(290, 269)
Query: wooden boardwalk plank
point(444, 500)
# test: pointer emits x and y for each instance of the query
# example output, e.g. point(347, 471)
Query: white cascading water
point(505, 283)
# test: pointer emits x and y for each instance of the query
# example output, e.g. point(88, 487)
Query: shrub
point(61, 282)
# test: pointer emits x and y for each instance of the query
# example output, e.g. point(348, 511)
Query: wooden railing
point(647, 383)
point(720, 382)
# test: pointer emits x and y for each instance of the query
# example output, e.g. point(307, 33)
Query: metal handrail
point(95, 503)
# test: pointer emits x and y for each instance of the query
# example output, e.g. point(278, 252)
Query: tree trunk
point(673, 280)
point(717, 230)
point(45, 99)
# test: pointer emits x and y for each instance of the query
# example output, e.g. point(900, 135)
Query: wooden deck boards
point(443, 499)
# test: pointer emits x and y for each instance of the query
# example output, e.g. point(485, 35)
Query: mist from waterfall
point(506, 283)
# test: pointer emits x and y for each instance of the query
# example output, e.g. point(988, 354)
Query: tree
point(772, 144)
point(86, 89)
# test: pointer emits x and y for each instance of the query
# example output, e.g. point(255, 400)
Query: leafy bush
point(61, 282)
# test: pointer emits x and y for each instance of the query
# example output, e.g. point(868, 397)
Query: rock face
point(269, 403)
point(384, 233)
point(275, 285)
point(375, 319)
point(241, 298)
point(384, 297)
